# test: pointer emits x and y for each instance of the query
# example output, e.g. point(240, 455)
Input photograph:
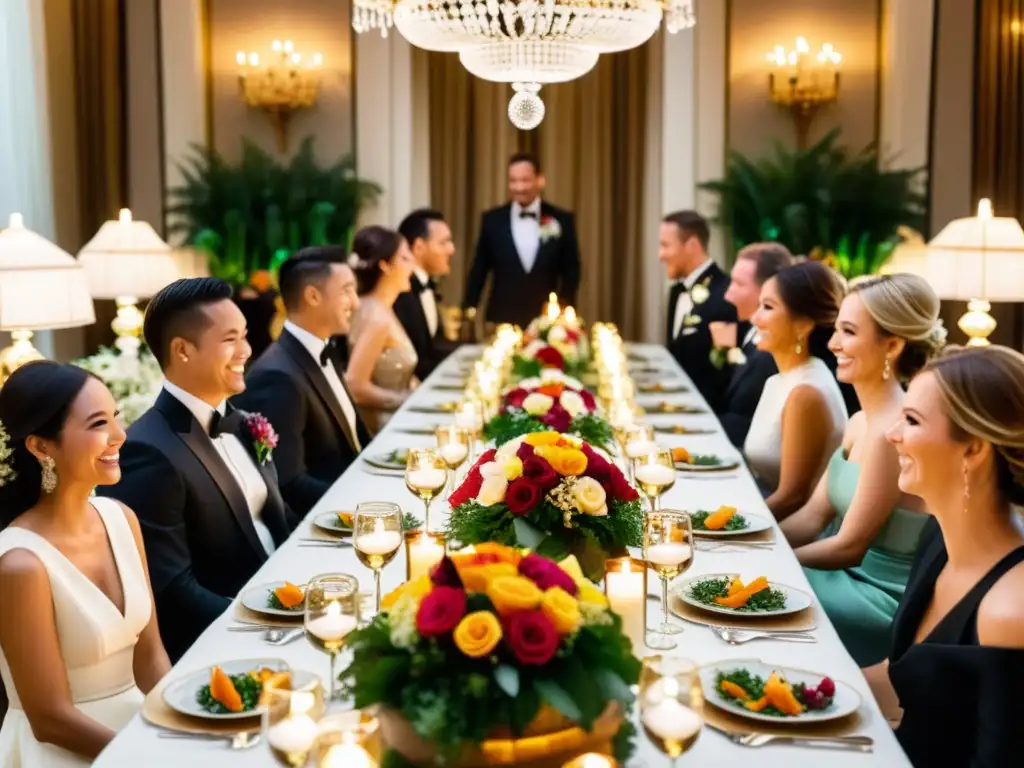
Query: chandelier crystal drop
point(525, 42)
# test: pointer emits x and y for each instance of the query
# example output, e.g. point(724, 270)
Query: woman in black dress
point(957, 662)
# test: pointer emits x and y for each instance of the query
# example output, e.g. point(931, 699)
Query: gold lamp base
point(20, 352)
point(127, 325)
point(977, 323)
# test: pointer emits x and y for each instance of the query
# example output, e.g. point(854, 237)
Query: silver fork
point(739, 636)
point(241, 740)
point(855, 743)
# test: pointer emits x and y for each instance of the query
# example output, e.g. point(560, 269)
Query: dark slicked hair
point(177, 312)
point(769, 259)
point(525, 157)
point(416, 226)
point(690, 224)
point(310, 266)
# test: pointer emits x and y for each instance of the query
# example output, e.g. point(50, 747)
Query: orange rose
point(513, 594)
point(504, 554)
point(562, 608)
point(475, 578)
point(477, 634)
point(542, 438)
point(553, 390)
point(565, 461)
point(418, 588)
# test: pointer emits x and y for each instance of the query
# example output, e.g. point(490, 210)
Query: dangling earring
point(967, 488)
point(799, 345)
point(49, 480)
point(887, 371)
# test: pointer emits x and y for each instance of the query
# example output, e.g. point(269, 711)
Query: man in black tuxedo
point(193, 467)
point(299, 384)
point(696, 300)
point(419, 310)
point(749, 367)
point(531, 248)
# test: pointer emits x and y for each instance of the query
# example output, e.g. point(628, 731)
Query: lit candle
point(298, 732)
point(668, 718)
point(622, 416)
point(591, 760)
point(570, 317)
point(654, 474)
point(625, 586)
point(333, 625)
point(468, 417)
point(454, 453)
point(424, 552)
point(241, 58)
point(384, 542)
point(426, 477)
point(347, 756)
point(669, 553)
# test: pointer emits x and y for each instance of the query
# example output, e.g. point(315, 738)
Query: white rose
point(511, 448)
point(492, 469)
point(492, 491)
point(568, 351)
point(537, 404)
point(573, 403)
point(557, 335)
point(570, 382)
point(531, 383)
point(533, 348)
point(549, 375)
point(591, 497)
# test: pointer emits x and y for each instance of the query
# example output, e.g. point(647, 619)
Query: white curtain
point(26, 176)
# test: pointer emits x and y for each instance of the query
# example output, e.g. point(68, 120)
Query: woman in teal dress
point(857, 535)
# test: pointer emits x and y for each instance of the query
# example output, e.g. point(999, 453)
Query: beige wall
point(313, 25)
point(757, 26)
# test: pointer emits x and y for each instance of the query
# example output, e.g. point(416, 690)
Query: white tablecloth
point(138, 742)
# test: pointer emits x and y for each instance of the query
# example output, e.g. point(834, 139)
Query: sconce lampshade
point(127, 258)
point(41, 286)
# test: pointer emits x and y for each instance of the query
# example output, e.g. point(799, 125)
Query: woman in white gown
point(801, 416)
point(79, 643)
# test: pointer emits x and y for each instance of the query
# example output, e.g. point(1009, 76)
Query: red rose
point(621, 490)
point(445, 574)
point(571, 335)
point(441, 611)
point(532, 637)
point(598, 467)
point(588, 400)
point(525, 452)
point(540, 472)
point(515, 398)
point(468, 490)
point(557, 418)
point(487, 456)
point(522, 496)
point(546, 574)
point(550, 357)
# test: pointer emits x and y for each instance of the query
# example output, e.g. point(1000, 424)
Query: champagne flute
point(293, 704)
point(426, 475)
point(377, 536)
point(668, 550)
point(453, 447)
point(637, 441)
point(654, 473)
point(671, 704)
point(332, 611)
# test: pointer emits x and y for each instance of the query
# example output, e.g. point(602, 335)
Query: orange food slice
point(345, 518)
point(289, 595)
point(735, 585)
point(740, 597)
point(223, 690)
point(553, 390)
point(780, 695)
point(734, 690)
point(716, 521)
point(681, 456)
point(756, 706)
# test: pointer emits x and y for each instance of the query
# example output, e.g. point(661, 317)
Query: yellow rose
point(477, 634)
point(493, 490)
point(417, 588)
point(572, 566)
point(512, 594)
point(513, 467)
point(591, 497)
point(537, 404)
point(475, 578)
point(590, 594)
point(562, 608)
point(569, 462)
point(542, 438)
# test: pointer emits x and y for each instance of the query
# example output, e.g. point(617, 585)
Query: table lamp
point(41, 288)
point(978, 259)
point(126, 261)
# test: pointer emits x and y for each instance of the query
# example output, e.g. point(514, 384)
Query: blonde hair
point(983, 391)
point(904, 306)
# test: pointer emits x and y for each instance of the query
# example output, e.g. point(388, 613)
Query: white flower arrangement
point(133, 380)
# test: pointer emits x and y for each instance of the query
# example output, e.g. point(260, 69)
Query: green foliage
point(525, 368)
point(823, 201)
point(516, 422)
point(252, 215)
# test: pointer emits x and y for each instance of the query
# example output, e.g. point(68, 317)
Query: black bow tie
point(327, 353)
point(529, 215)
point(227, 424)
point(421, 287)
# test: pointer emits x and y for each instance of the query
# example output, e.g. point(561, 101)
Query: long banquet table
point(138, 743)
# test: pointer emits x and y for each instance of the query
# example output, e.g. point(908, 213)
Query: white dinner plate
point(181, 694)
point(845, 702)
point(796, 600)
point(755, 524)
point(446, 407)
point(384, 460)
point(727, 464)
point(329, 521)
point(255, 599)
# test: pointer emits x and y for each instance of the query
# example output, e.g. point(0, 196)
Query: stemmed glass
point(292, 708)
point(638, 440)
point(470, 417)
point(332, 611)
point(668, 551)
point(654, 473)
point(426, 475)
point(377, 536)
point(671, 704)
point(453, 447)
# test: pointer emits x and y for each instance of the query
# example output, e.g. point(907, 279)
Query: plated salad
point(733, 594)
point(774, 696)
point(231, 694)
point(722, 519)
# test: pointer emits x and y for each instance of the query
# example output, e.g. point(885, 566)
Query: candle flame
point(333, 609)
point(984, 208)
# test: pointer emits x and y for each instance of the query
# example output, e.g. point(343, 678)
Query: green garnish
point(736, 523)
point(706, 590)
point(273, 602)
point(704, 460)
point(812, 699)
point(398, 456)
point(410, 522)
point(248, 687)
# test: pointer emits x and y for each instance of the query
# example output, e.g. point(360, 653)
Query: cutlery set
point(753, 739)
point(274, 635)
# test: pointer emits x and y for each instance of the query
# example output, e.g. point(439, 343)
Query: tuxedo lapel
point(273, 514)
point(191, 433)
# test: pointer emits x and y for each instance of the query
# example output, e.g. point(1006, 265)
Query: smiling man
point(210, 509)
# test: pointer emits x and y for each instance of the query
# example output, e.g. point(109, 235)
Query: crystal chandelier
point(527, 43)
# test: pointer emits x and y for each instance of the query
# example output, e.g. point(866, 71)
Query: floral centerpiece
point(133, 379)
point(552, 343)
point(496, 653)
point(552, 493)
point(559, 403)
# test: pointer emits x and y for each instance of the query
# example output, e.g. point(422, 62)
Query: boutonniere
point(690, 320)
point(700, 293)
point(264, 438)
point(550, 229)
point(733, 356)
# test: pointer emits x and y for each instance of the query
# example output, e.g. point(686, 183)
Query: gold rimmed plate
point(392, 460)
point(666, 407)
point(257, 600)
point(679, 429)
point(663, 389)
point(708, 462)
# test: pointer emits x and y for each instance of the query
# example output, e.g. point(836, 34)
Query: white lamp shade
point(127, 258)
point(41, 286)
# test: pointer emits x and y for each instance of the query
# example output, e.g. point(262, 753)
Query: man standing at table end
point(298, 383)
point(530, 247)
point(697, 299)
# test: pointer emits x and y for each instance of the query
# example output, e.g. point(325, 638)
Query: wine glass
point(453, 447)
point(426, 475)
point(343, 737)
point(671, 704)
point(637, 440)
point(293, 704)
point(377, 535)
point(654, 473)
point(332, 611)
point(668, 551)
point(470, 417)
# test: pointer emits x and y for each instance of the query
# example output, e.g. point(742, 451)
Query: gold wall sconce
point(289, 83)
point(803, 82)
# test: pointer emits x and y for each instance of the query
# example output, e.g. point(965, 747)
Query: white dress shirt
point(315, 346)
point(684, 305)
point(526, 232)
point(428, 300)
point(237, 459)
point(751, 335)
